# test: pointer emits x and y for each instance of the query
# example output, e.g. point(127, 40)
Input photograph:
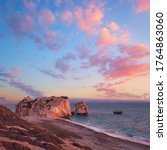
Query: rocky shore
point(30, 129)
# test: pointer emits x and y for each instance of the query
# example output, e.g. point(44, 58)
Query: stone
point(81, 109)
point(47, 107)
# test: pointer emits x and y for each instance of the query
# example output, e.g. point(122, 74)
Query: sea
point(134, 122)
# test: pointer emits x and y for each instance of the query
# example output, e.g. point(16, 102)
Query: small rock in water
point(81, 109)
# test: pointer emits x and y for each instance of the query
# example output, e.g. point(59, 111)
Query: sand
point(78, 137)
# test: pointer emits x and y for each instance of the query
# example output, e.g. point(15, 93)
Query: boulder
point(81, 109)
point(49, 107)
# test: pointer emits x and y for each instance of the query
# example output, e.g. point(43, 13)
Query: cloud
point(21, 25)
point(132, 61)
point(46, 17)
point(52, 40)
point(28, 89)
point(83, 52)
point(106, 39)
point(137, 51)
point(67, 16)
point(81, 78)
point(89, 19)
point(29, 5)
point(51, 73)
point(142, 6)
point(10, 75)
point(63, 64)
point(114, 26)
point(112, 93)
point(129, 63)
point(124, 38)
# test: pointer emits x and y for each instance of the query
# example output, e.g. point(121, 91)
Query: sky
point(93, 49)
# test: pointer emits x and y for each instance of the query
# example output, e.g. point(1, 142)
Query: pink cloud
point(46, 17)
point(21, 25)
point(13, 73)
point(142, 6)
point(124, 38)
point(125, 68)
point(83, 52)
point(106, 39)
point(29, 5)
point(89, 19)
point(67, 16)
point(114, 26)
point(136, 51)
point(129, 63)
point(10, 75)
point(110, 92)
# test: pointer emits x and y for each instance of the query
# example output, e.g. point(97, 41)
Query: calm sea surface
point(134, 121)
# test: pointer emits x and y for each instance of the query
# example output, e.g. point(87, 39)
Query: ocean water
point(134, 122)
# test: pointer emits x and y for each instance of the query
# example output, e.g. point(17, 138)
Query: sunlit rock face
point(47, 107)
point(81, 109)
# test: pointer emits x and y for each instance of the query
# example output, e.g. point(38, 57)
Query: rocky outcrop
point(48, 107)
point(81, 109)
point(18, 134)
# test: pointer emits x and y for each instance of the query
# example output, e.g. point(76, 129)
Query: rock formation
point(81, 109)
point(18, 134)
point(49, 107)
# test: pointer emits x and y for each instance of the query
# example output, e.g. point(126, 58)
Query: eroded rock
point(48, 107)
point(81, 109)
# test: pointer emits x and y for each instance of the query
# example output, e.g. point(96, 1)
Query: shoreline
point(84, 136)
point(113, 135)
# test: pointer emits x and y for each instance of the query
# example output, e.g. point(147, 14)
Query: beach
point(78, 137)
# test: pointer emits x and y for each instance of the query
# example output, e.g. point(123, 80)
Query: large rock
point(49, 107)
point(81, 109)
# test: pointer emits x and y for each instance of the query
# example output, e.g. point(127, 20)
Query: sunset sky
point(79, 48)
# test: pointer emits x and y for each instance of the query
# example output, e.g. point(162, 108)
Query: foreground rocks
point(81, 109)
point(17, 134)
point(47, 107)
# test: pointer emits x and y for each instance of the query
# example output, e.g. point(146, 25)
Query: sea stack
point(81, 109)
point(47, 107)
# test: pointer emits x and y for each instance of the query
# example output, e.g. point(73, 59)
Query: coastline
point(84, 136)
point(114, 134)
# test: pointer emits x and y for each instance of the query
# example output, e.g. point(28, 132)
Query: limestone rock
point(81, 109)
point(49, 107)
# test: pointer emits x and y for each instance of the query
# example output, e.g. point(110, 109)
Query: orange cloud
point(89, 19)
point(142, 6)
point(114, 26)
point(67, 16)
point(106, 39)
